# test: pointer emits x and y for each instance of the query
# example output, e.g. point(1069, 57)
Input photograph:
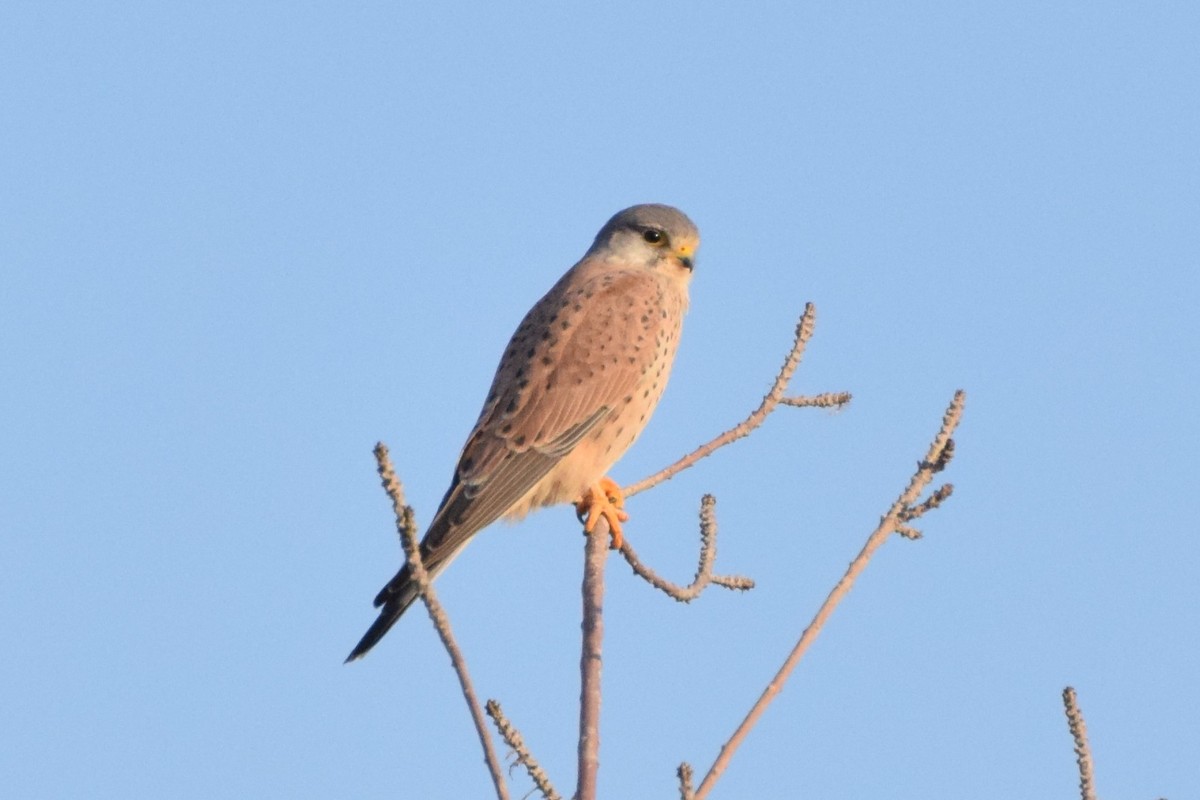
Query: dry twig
point(685, 781)
point(704, 573)
point(512, 737)
point(773, 398)
point(1083, 752)
point(406, 526)
point(935, 499)
point(905, 507)
point(827, 400)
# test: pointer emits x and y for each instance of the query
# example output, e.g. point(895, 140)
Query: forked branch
point(905, 509)
point(773, 398)
point(704, 574)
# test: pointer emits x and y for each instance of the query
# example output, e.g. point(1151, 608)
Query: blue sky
point(239, 244)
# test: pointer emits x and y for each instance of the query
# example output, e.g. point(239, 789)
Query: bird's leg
point(604, 499)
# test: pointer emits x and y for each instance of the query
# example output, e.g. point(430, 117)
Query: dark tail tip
point(388, 615)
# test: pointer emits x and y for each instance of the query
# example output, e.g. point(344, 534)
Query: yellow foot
point(604, 500)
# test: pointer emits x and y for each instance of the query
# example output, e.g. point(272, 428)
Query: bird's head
point(658, 237)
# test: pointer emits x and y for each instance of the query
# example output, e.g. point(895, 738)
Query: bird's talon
point(604, 500)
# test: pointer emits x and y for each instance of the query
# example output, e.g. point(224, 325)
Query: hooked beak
point(685, 254)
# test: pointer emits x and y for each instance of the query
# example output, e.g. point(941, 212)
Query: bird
point(574, 388)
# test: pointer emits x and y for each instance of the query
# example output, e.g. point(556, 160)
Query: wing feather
point(578, 355)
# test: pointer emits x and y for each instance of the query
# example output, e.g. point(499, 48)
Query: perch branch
point(804, 331)
point(406, 526)
point(704, 573)
point(890, 523)
point(595, 553)
point(1083, 751)
point(512, 737)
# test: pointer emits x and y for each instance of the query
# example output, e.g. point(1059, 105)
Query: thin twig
point(804, 331)
point(935, 499)
point(704, 573)
point(1083, 751)
point(512, 737)
point(888, 525)
point(685, 781)
point(595, 553)
point(406, 526)
point(738, 582)
point(827, 400)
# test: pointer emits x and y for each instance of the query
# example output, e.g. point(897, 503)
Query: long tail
point(445, 539)
point(402, 591)
point(393, 607)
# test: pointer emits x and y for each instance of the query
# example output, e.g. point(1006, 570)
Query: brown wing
point(579, 354)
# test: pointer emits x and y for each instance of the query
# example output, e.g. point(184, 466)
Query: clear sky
point(240, 243)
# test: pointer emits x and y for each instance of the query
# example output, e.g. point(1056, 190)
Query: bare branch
point(512, 737)
point(1083, 752)
point(940, 452)
point(889, 524)
point(704, 574)
point(595, 553)
point(685, 781)
point(406, 526)
point(804, 331)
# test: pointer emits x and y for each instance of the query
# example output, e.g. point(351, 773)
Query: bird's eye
point(653, 236)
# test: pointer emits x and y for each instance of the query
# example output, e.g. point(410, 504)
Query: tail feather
point(443, 541)
point(395, 598)
point(396, 604)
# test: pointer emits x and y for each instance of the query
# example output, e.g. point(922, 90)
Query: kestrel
point(574, 388)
